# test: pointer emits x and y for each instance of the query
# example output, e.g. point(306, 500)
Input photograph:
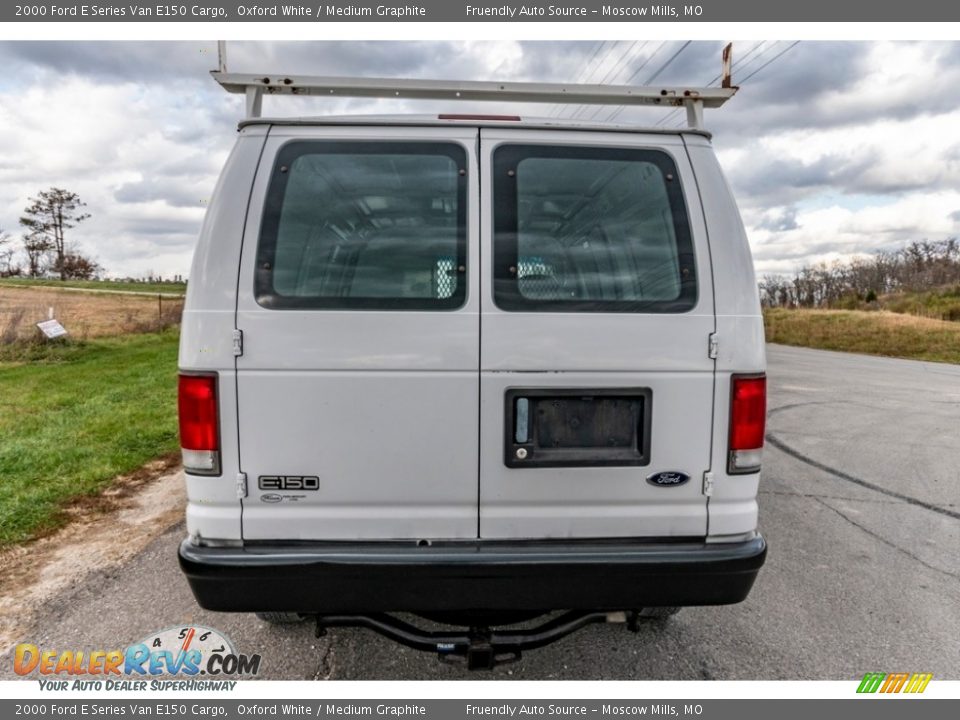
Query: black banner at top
point(483, 11)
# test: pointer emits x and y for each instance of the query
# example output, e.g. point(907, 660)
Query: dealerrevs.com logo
point(894, 682)
point(188, 651)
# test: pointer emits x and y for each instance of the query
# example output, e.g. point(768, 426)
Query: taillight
point(748, 415)
point(199, 424)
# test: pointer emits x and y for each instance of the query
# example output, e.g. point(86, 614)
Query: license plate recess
point(577, 427)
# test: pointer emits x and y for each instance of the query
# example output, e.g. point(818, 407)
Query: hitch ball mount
point(479, 646)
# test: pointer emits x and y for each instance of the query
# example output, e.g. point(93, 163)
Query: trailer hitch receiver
point(479, 647)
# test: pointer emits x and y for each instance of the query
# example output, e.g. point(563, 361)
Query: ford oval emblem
point(271, 498)
point(668, 478)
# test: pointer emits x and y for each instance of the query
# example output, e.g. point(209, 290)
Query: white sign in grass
point(52, 329)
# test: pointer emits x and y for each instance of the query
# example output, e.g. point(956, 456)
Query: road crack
point(783, 447)
point(326, 665)
point(828, 497)
point(886, 542)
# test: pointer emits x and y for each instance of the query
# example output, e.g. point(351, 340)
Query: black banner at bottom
point(873, 707)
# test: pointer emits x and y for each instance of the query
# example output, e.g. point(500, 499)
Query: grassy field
point(85, 315)
point(873, 333)
point(75, 415)
point(942, 303)
point(108, 285)
point(939, 303)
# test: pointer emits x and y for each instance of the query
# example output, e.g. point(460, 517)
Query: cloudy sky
point(833, 149)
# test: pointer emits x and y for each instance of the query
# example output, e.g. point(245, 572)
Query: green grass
point(872, 333)
point(942, 303)
point(75, 415)
point(937, 303)
point(144, 287)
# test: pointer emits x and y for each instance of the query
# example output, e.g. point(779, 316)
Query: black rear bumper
point(483, 576)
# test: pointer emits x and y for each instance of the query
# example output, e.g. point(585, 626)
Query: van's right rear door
point(597, 308)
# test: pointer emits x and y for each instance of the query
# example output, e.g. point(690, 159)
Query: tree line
point(44, 249)
point(918, 266)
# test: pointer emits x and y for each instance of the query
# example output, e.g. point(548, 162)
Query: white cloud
point(835, 232)
point(830, 150)
point(97, 138)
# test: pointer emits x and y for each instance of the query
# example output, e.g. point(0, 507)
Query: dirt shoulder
point(105, 530)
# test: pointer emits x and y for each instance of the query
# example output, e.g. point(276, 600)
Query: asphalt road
point(860, 504)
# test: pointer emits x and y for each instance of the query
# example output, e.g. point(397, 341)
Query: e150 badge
point(288, 482)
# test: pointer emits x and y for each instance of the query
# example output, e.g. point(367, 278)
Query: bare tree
point(7, 252)
point(37, 248)
point(916, 267)
point(50, 215)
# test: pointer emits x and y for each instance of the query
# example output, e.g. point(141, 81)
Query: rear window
point(372, 225)
point(590, 229)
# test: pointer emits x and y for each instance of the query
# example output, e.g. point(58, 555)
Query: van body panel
point(735, 516)
point(206, 335)
point(733, 507)
point(378, 341)
point(737, 294)
point(213, 508)
point(379, 405)
point(581, 502)
point(733, 502)
point(206, 338)
point(387, 448)
point(401, 414)
point(666, 353)
point(208, 313)
point(607, 344)
point(213, 272)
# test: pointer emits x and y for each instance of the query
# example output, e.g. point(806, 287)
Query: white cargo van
point(475, 368)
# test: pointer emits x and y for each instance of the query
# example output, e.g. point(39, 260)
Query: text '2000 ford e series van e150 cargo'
point(480, 369)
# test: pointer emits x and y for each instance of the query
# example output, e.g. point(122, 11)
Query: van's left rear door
point(357, 387)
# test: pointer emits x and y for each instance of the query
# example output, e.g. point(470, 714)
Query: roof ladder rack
point(694, 99)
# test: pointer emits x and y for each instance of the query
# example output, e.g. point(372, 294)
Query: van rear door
point(597, 309)
point(357, 386)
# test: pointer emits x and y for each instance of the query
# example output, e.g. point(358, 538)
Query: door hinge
point(713, 347)
point(238, 342)
point(708, 483)
point(241, 485)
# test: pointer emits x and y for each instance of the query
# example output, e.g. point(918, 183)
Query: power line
point(737, 64)
point(653, 77)
point(619, 62)
point(775, 57)
point(589, 62)
point(601, 61)
point(646, 61)
point(768, 62)
point(747, 60)
point(614, 69)
point(557, 110)
point(667, 63)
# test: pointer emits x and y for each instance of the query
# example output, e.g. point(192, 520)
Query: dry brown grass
point(872, 333)
point(103, 532)
point(84, 315)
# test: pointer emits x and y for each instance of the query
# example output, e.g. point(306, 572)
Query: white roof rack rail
point(692, 98)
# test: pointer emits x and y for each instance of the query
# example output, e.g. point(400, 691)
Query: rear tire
point(657, 612)
point(280, 618)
